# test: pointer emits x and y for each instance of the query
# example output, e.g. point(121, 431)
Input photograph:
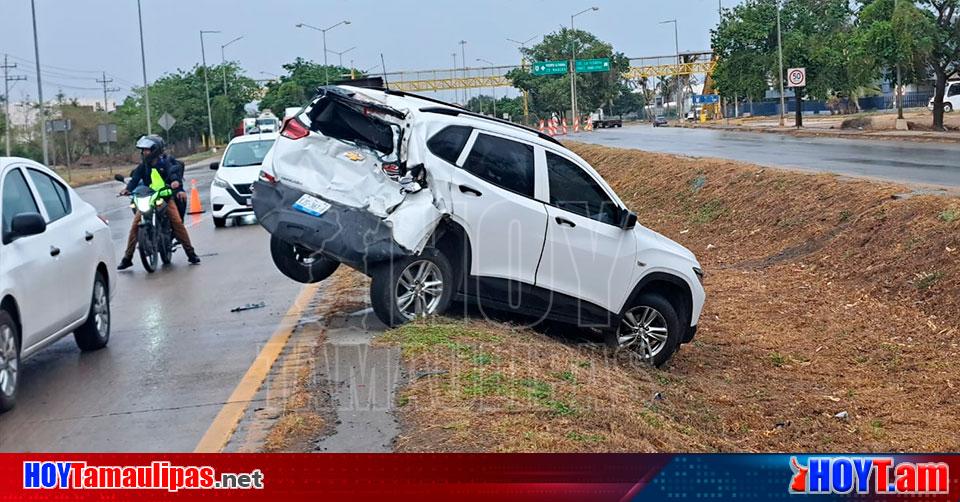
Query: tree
point(549, 94)
point(182, 95)
point(299, 84)
point(944, 57)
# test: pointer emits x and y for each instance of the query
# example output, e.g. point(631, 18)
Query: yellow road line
point(224, 425)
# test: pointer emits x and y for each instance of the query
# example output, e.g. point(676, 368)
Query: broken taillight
point(294, 129)
point(391, 169)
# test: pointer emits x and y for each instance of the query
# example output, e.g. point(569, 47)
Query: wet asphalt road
point(176, 351)
point(935, 164)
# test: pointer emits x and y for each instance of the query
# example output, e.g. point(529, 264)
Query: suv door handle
point(88, 236)
point(54, 251)
point(467, 189)
point(563, 221)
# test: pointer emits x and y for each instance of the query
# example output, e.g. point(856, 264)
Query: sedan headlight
point(217, 182)
point(143, 204)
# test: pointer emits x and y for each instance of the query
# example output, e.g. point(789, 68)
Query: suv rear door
point(586, 255)
point(492, 195)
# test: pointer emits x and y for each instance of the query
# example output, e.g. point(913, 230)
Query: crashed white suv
point(436, 203)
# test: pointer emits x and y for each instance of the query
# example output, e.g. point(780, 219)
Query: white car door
point(586, 255)
point(71, 233)
point(493, 195)
point(30, 263)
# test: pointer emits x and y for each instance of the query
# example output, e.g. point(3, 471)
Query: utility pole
point(206, 85)
point(453, 75)
point(105, 81)
point(143, 64)
point(43, 115)
point(783, 105)
point(463, 60)
point(6, 96)
point(523, 65)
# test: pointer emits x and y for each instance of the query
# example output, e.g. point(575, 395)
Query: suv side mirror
point(628, 219)
point(214, 165)
point(26, 224)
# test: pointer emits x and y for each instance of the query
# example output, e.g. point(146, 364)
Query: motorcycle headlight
point(143, 204)
point(217, 182)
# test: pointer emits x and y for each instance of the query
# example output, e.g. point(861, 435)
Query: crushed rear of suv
point(436, 203)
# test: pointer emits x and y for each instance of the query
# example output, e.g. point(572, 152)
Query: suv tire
point(9, 361)
point(656, 329)
point(412, 286)
point(95, 332)
point(947, 107)
point(296, 264)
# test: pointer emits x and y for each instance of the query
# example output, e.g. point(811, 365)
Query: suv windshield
point(247, 153)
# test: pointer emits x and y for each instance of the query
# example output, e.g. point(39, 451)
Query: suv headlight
point(217, 182)
point(699, 274)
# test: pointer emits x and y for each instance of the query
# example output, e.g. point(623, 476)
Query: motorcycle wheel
point(147, 245)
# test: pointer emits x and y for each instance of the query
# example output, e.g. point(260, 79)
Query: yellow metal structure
point(447, 84)
point(669, 70)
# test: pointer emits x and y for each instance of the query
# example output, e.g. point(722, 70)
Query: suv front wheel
point(412, 287)
point(649, 328)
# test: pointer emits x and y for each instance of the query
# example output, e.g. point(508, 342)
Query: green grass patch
point(778, 359)
point(709, 212)
point(928, 279)
point(950, 215)
point(477, 383)
point(586, 438)
point(418, 337)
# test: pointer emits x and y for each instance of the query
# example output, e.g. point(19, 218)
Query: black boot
point(193, 259)
point(125, 263)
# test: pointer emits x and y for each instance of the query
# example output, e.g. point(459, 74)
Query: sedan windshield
point(247, 153)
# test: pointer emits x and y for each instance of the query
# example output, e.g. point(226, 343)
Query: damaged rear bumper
point(354, 237)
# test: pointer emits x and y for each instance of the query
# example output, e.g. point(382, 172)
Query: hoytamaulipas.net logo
point(159, 475)
point(868, 475)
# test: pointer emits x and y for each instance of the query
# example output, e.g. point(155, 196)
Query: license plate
point(311, 205)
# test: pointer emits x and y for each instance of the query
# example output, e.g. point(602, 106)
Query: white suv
point(951, 97)
point(436, 203)
point(56, 269)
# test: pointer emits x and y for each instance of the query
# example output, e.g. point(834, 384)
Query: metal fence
point(872, 103)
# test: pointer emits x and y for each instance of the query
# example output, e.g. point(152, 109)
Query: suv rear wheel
point(412, 287)
point(649, 328)
point(300, 264)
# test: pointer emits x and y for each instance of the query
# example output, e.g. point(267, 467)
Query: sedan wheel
point(95, 333)
point(9, 362)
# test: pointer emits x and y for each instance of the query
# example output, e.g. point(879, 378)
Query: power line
point(106, 81)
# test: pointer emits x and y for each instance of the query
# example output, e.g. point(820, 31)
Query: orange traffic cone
point(195, 206)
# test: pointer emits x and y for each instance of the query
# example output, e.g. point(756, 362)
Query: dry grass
point(824, 295)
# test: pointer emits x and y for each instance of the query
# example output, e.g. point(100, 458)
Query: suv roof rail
point(460, 111)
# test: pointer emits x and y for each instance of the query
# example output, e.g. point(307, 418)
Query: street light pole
point(453, 74)
point(676, 43)
point(206, 86)
point(573, 64)
point(493, 89)
point(780, 59)
point(36, 54)
point(223, 62)
point(463, 59)
point(342, 53)
point(326, 72)
point(143, 64)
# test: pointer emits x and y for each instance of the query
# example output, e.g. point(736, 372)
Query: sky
point(80, 38)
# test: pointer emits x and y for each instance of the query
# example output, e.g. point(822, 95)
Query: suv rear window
point(507, 164)
point(448, 143)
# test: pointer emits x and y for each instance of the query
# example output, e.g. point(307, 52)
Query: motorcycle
point(154, 235)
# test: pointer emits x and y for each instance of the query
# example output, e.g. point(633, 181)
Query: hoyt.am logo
point(873, 475)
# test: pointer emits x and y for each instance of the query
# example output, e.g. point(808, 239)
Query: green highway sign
point(550, 67)
point(593, 65)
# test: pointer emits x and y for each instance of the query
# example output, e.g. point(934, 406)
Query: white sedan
point(56, 268)
point(236, 172)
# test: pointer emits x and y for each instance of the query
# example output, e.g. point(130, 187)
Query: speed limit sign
point(797, 77)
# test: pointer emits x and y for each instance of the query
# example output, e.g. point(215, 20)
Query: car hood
point(650, 239)
point(239, 175)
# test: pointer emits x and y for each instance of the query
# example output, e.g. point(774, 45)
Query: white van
point(951, 97)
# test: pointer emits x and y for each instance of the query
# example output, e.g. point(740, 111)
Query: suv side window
point(17, 198)
point(53, 195)
point(507, 164)
point(572, 189)
point(954, 90)
point(448, 143)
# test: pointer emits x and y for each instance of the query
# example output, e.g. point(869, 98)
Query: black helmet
point(153, 143)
